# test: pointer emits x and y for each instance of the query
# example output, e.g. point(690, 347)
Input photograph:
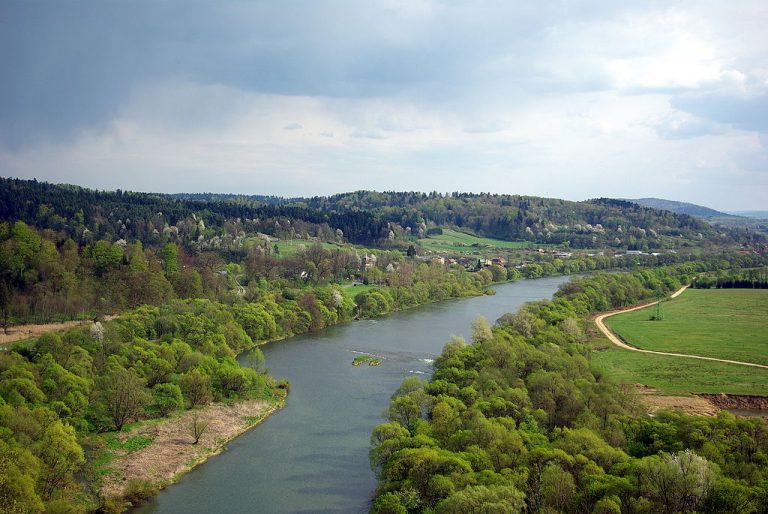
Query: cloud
point(543, 98)
point(681, 125)
point(742, 110)
point(487, 128)
point(367, 134)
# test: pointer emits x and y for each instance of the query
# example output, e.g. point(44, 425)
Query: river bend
point(312, 456)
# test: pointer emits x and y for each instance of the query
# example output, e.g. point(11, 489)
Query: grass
point(677, 375)
point(130, 445)
point(721, 323)
point(111, 446)
point(289, 247)
point(354, 290)
point(460, 242)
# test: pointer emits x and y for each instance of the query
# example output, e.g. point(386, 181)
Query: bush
point(138, 490)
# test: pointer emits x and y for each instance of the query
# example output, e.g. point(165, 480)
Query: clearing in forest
point(461, 242)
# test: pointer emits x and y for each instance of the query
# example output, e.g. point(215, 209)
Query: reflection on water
point(313, 455)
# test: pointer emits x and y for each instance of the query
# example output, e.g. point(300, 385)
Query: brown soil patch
point(19, 332)
point(172, 453)
point(686, 404)
point(737, 401)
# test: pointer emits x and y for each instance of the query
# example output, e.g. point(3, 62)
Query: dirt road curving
point(621, 344)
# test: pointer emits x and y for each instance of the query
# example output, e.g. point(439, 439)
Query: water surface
point(312, 456)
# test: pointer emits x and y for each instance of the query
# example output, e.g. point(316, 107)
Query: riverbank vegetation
point(524, 421)
point(60, 390)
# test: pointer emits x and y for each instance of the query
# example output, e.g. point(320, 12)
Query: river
point(312, 456)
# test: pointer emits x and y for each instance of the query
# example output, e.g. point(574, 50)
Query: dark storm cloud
point(317, 96)
point(69, 64)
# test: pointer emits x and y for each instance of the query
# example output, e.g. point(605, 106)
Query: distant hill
point(761, 215)
point(369, 218)
point(679, 207)
point(754, 221)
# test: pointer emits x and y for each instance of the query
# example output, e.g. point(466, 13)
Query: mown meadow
point(722, 323)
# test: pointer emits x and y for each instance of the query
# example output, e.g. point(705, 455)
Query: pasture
point(677, 375)
point(722, 323)
point(460, 242)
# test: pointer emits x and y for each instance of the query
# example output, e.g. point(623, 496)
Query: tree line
point(756, 278)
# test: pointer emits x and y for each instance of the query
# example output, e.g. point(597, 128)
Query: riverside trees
point(522, 422)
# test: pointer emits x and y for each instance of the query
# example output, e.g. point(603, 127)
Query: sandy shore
point(171, 453)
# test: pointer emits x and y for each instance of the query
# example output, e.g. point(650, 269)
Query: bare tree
point(197, 427)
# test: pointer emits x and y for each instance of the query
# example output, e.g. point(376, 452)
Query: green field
point(460, 242)
point(677, 375)
point(722, 323)
point(353, 291)
point(289, 247)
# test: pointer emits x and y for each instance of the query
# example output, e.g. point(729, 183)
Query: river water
point(312, 456)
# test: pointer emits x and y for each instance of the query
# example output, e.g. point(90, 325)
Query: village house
point(369, 261)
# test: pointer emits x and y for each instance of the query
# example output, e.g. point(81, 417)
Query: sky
point(572, 100)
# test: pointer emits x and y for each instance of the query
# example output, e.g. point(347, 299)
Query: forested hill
point(679, 207)
point(363, 217)
point(87, 214)
point(589, 224)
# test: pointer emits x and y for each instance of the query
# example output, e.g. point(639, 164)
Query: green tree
point(61, 456)
point(123, 395)
point(166, 398)
point(674, 482)
point(481, 330)
point(557, 487)
point(18, 474)
point(170, 260)
point(196, 387)
point(480, 499)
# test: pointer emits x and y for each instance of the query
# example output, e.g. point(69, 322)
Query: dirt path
point(171, 453)
point(621, 344)
point(19, 332)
